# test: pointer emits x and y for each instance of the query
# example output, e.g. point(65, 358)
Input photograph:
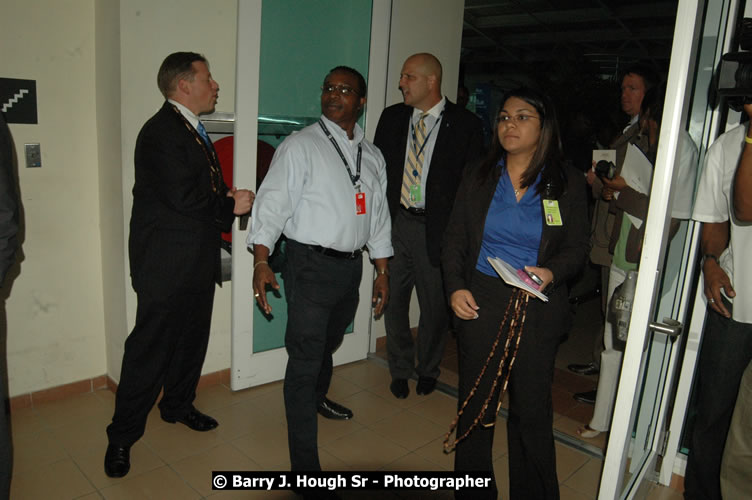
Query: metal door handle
point(669, 327)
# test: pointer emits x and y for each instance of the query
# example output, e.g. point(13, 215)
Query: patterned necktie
point(203, 134)
point(411, 192)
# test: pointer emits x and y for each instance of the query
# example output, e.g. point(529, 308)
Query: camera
point(734, 80)
point(605, 169)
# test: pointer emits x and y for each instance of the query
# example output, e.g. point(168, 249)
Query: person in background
point(181, 206)
point(499, 212)
point(426, 142)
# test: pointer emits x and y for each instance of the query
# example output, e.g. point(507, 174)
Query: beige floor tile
point(568, 461)
point(174, 442)
point(91, 496)
point(266, 446)
point(331, 463)
point(59, 480)
point(73, 409)
point(570, 426)
point(81, 435)
point(437, 408)
point(366, 374)
point(30, 452)
point(659, 492)
point(197, 470)
point(567, 493)
point(341, 388)
point(329, 430)
point(586, 479)
point(368, 408)
point(272, 403)
point(213, 397)
point(365, 450)
point(26, 421)
point(413, 462)
point(239, 419)
point(434, 452)
point(160, 484)
point(91, 463)
point(408, 430)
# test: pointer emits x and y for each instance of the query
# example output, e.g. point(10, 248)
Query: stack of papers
point(510, 277)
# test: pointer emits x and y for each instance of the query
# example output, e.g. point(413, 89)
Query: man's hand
point(463, 304)
point(380, 294)
point(616, 184)
point(243, 200)
point(715, 279)
point(262, 276)
point(543, 273)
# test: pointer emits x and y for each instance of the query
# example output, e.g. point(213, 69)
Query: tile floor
point(59, 446)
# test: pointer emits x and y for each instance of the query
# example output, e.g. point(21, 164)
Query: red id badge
point(360, 203)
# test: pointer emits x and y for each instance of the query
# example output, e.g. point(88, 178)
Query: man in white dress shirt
point(326, 192)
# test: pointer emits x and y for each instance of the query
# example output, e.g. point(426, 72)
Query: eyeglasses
point(342, 89)
point(518, 119)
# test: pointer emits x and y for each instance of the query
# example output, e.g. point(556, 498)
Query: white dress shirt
point(308, 196)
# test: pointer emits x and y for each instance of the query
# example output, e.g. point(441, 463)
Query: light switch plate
point(33, 155)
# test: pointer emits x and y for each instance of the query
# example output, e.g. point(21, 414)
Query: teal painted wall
point(301, 40)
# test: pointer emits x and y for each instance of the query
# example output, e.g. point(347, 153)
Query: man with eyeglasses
point(427, 141)
point(326, 192)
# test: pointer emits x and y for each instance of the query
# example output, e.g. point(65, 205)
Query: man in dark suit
point(180, 207)
point(426, 142)
point(8, 246)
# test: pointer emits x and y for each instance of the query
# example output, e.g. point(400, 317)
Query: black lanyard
point(353, 178)
point(425, 141)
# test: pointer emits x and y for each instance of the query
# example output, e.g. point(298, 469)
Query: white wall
point(149, 31)
point(55, 308)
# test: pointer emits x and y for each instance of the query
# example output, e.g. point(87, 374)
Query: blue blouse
point(512, 230)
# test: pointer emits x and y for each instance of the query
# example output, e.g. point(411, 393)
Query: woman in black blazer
point(524, 205)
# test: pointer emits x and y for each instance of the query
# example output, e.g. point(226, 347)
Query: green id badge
point(552, 213)
point(415, 193)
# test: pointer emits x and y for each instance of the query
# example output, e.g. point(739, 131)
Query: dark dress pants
point(322, 296)
point(726, 350)
point(410, 268)
point(165, 350)
point(532, 458)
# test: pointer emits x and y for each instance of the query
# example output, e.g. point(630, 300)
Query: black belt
point(330, 252)
point(414, 210)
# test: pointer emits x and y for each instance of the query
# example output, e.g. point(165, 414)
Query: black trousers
point(322, 296)
point(410, 268)
point(725, 352)
point(532, 458)
point(165, 350)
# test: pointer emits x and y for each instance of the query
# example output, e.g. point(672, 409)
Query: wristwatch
point(710, 256)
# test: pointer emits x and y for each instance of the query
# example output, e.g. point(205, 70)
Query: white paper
point(638, 174)
point(604, 154)
point(509, 275)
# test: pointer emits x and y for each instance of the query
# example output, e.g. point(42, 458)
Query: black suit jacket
point(8, 203)
point(180, 208)
point(563, 249)
point(459, 141)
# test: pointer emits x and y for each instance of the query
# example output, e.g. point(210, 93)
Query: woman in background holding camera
point(523, 205)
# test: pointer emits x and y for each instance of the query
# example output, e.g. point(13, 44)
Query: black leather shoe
point(426, 385)
point(195, 420)
point(399, 388)
point(586, 369)
point(585, 397)
point(329, 409)
point(117, 460)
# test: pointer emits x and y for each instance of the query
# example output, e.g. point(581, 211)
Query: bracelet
point(384, 271)
point(259, 263)
point(748, 140)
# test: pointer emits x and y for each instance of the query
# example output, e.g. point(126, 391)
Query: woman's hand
point(463, 304)
point(543, 273)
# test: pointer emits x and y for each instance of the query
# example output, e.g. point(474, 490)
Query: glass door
point(666, 280)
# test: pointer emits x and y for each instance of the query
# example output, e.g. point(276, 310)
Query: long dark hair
point(548, 157)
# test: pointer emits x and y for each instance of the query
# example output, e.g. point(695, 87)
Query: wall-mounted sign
point(18, 100)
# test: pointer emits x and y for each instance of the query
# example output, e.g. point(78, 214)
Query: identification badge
point(415, 193)
point(552, 213)
point(360, 203)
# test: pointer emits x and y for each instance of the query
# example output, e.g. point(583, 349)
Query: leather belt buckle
point(414, 210)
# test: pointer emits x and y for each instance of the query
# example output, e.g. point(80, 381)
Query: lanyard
point(353, 178)
point(425, 141)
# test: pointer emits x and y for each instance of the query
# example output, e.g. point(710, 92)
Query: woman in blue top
point(524, 205)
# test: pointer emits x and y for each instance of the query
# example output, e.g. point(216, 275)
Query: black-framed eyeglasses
point(342, 89)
